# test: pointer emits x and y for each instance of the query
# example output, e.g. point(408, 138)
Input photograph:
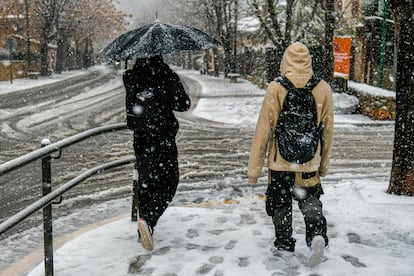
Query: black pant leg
point(168, 182)
point(279, 205)
point(311, 208)
point(158, 175)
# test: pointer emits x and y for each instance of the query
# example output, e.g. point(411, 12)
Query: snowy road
point(56, 110)
point(213, 156)
point(53, 111)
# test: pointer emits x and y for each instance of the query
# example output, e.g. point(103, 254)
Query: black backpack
point(145, 109)
point(297, 131)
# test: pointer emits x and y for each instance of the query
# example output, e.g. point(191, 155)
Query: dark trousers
point(158, 172)
point(279, 196)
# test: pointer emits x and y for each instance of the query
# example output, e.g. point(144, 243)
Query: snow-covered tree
point(291, 20)
point(311, 22)
point(79, 22)
point(91, 24)
point(47, 12)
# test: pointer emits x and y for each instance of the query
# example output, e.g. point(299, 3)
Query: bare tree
point(216, 17)
point(47, 12)
point(94, 23)
point(221, 17)
point(271, 21)
point(402, 173)
point(291, 20)
point(295, 20)
point(82, 22)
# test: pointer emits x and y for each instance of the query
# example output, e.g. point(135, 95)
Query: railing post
point(134, 208)
point(47, 213)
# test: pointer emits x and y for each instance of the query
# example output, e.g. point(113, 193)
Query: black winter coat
point(165, 81)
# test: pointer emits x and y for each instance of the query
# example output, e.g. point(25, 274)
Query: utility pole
point(29, 52)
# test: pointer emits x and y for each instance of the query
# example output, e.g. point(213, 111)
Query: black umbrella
point(156, 39)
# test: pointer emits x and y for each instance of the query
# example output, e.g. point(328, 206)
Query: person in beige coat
point(291, 180)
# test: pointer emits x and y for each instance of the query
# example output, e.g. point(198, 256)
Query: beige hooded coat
point(296, 65)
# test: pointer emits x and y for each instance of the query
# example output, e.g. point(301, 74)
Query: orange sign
point(342, 56)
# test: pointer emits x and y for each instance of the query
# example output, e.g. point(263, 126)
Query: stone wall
point(376, 103)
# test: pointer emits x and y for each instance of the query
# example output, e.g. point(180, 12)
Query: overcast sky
point(167, 11)
point(144, 11)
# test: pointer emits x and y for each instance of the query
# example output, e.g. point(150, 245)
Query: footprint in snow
point(205, 268)
point(230, 245)
point(137, 262)
point(222, 220)
point(219, 273)
point(353, 237)
point(216, 259)
point(247, 219)
point(353, 261)
point(178, 242)
point(244, 261)
point(161, 251)
point(192, 233)
point(216, 232)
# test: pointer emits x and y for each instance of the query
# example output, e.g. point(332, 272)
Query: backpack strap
point(286, 83)
point(312, 82)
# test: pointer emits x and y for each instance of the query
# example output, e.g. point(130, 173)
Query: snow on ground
point(239, 103)
point(371, 90)
point(26, 83)
point(371, 232)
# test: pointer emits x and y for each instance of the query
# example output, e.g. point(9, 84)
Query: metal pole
point(134, 209)
point(11, 67)
point(234, 63)
point(29, 52)
point(383, 41)
point(47, 213)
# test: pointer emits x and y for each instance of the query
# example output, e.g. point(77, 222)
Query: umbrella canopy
point(156, 39)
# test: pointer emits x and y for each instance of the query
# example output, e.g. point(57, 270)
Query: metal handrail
point(46, 201)
point(47, 150)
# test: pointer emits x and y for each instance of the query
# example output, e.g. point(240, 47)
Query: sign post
point(11, 47)
point(342, 57)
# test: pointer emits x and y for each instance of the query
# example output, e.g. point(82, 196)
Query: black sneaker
point(285, 244)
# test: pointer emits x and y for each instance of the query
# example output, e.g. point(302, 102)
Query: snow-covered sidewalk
point(371, 232)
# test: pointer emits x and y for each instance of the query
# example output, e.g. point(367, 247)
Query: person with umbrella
point(153, 92)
